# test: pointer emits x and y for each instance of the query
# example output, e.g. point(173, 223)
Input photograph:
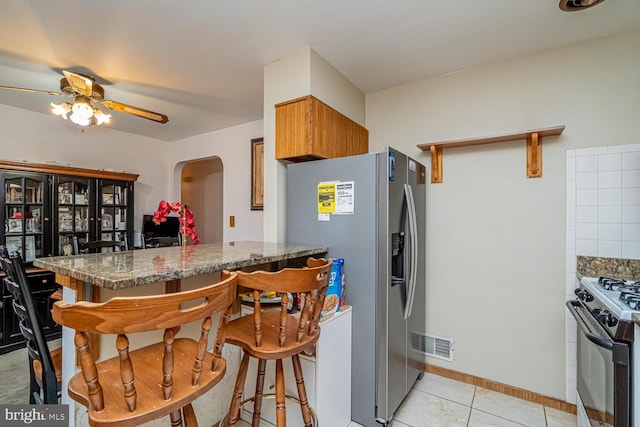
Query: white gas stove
point(606, 377)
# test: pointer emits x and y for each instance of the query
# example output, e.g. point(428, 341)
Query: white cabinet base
point(327, 378)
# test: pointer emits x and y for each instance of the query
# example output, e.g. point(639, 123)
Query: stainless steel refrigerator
point(374, 218)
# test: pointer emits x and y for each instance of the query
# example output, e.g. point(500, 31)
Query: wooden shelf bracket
point(436, 163)
point(534, 148)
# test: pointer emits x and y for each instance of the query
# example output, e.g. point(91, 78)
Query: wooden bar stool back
point(45, 366)
point(275, 334)
point(156, 380)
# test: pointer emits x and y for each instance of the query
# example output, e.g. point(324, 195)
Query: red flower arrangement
point(187, 223)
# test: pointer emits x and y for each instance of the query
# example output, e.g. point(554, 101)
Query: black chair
point(44, 366)
point(161, 241)
point(97, 246)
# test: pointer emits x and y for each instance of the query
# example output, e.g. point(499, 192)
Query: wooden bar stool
point(156, 380)
point(275, 335)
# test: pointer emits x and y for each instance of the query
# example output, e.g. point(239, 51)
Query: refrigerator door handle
point(413, 245)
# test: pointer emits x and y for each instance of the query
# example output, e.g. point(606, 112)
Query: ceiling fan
point(85, 89)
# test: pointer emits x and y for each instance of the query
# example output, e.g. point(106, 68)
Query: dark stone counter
point(118, 270)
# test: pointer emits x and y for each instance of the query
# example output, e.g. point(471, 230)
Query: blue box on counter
point(333, 297)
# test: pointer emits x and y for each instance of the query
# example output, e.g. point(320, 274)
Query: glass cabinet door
point(73, 213)
point(25, 215)
point(113, 202)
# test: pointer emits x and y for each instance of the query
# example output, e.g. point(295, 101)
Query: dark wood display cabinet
point(43, 207)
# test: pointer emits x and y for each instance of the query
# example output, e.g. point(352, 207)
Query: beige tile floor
point(438, 401)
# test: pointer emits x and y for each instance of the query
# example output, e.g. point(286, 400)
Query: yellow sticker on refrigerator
point(326, 197)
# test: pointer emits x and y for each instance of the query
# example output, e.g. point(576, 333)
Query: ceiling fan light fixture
point(61, 110)
point(101, 117)
point(81, 112)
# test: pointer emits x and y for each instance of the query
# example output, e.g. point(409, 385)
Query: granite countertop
point(620, 268)
point(118, 270)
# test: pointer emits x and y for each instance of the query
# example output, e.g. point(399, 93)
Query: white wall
point(495, 239)
point(202, 190)
point(40, 138)
point(233, 146)
point(299, 74)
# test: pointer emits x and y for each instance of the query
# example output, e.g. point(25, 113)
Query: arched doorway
point(202, 190)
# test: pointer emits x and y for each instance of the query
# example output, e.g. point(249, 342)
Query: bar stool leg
point(281, 414)
point(189, 416)
point(234, 406)
point(176, 418)
point(302, 391)
point(257, 403)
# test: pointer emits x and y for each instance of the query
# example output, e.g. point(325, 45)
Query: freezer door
point(392, 358)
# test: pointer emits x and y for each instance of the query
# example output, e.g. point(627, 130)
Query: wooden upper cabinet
point(308, 129)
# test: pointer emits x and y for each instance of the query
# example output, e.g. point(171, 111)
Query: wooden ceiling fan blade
point(81, 84)
point(136, 111)
point(22, 89)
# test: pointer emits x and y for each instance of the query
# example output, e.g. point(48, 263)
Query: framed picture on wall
point(257, 174)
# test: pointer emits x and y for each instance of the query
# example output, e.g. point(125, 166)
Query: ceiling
point(201, 62)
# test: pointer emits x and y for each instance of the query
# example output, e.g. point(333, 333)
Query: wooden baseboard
point(530, 396)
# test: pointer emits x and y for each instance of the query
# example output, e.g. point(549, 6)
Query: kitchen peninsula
point(100, 276)
point(119, 270)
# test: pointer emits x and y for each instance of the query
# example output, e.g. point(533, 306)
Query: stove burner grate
point(611, 284)
point(631, 299)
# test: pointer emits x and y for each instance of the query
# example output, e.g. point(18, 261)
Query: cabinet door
point(115, 205)
point(42, 286)
point(74, 214)
point(26, 214)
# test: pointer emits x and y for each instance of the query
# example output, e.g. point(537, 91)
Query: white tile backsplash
point(571, 354)
point(587, 197)
point(631, 160)
point(586, 180)
point(587, 247)
point(630, 250)
point(610, 179)
point(571, 167)
point(572, 392)
point(610, 214)
point(571, 236)
point(609, 162)
point(593, 151)
point(631, 178)
point(609, 197)
point(571, 191)
point(631, 214)
point(630, 233)
point(586, 214)
point(630, 196)
point(610, 232)
point(586, 164)
point(610, 248)
point(623, 148)
point(571, 214)
point(586, 231)
point(570, 330)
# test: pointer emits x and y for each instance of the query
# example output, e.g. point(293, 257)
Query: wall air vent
point(433, 346)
